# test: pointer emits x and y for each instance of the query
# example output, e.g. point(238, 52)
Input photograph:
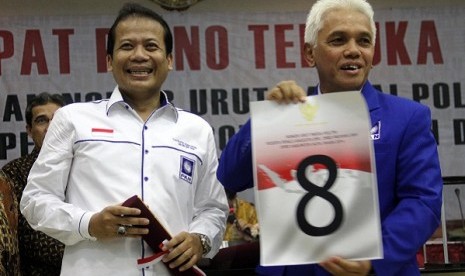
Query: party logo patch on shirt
point(102, 132)
point(186, 169)
point(376, 131)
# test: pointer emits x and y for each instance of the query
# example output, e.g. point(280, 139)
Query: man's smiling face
point(139, 63)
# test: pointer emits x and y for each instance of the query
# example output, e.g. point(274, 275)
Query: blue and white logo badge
point(186, 169)
point(376, 131)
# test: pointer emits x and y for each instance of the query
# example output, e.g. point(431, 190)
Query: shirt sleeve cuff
point(83, 227)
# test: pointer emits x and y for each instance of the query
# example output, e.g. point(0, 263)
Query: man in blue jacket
point(339, 43)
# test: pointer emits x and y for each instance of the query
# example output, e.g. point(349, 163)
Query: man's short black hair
point(133, 9)
point(42, 99)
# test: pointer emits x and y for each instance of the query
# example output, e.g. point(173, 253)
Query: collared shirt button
point(146, 178)
point(146, 127)
point(146, 151)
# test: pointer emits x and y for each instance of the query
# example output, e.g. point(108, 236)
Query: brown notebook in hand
point(157, 234)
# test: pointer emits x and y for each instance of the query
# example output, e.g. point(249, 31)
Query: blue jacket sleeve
point(235, 170)
point(412, 206)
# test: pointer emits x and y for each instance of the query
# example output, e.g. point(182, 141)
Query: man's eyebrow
point(336, 33)
point(363, 33)
point(369, 34)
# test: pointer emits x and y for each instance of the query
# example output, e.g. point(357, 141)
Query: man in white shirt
point(96, 155)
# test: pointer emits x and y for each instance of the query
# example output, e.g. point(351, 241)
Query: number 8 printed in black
point(323, 192)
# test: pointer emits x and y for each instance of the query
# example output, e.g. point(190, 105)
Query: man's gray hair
point(318, 11)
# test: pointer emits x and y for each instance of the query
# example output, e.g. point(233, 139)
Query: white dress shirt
point(100, 153)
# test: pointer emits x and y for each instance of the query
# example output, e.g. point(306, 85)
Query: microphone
point(457, 193)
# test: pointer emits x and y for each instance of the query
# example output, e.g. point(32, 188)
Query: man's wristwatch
point(206, 244)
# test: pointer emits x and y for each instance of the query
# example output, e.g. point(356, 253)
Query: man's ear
point(169, 57)
point(309, 54)
point(29, 131)
point(109, 66)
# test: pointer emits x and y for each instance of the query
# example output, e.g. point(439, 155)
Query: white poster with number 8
point(315, 180)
